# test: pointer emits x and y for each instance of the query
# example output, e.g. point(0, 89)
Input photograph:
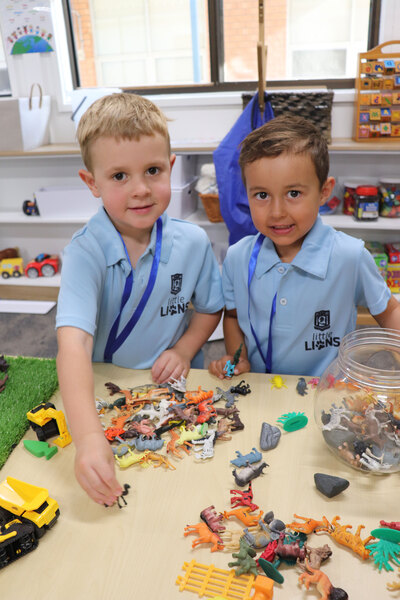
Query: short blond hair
point(122, 116)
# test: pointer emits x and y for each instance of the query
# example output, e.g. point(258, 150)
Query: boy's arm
point(233, 337)
point(176, 361)
point(94, 461)
point(390, 317)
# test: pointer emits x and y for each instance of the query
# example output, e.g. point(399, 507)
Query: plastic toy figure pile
point(148, 419)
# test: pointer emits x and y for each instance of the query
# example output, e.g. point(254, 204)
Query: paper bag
point(24, 122)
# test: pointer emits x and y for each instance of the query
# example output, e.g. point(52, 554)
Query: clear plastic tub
point(357, 401)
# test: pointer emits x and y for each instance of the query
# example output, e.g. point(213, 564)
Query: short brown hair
point(291, 134)
point(123, 116)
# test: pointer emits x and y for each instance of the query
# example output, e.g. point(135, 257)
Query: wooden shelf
point(207, 147)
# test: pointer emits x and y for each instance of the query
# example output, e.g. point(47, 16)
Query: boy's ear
point(327, 190)
point(172, 159)
point(88, 178)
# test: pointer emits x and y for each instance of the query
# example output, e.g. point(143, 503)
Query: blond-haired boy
point(129, 275)
point(292, 291)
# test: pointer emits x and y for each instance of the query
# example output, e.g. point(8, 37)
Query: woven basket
point(211, 206)
point(314, 106)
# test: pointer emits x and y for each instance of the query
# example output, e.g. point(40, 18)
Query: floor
point(34, 335)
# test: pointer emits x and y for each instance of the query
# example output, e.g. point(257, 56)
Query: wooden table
point(137, 552)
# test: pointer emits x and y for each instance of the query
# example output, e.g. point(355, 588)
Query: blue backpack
point(233, 200)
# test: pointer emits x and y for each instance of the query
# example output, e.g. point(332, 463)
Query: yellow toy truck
point(26, 512)
point(46, 421)
point(11, 267)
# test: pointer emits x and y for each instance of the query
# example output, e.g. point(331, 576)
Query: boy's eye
point(262, 195)
point(293, 194)
point(153, 170)
point(119, 176)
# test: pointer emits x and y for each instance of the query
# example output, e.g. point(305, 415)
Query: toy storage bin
point(183, 201)
point(357, 401)
point(183, 171)
point(66, 202)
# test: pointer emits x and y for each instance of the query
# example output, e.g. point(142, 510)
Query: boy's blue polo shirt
point(94, 271)
point(317, 297)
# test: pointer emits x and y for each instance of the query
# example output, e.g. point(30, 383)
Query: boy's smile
point(132, 177)
point(284, 198)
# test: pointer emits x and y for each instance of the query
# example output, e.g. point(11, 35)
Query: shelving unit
point(22, 173)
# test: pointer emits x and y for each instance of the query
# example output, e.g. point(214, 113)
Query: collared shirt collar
point(313, 257)
point(113, 248)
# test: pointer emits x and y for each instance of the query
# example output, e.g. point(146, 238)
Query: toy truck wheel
point(48, 271)
point(32, 273)
point(27, 543)
point(5, 275)
point(16, 274)
point(4, 558)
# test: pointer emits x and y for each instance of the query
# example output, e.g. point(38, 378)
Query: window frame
point(216, 49)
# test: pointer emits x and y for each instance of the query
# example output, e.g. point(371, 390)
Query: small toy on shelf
point(44, 265)
point(11, 267)
point(30, 207)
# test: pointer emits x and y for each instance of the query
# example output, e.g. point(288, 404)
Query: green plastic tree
point(382, 552)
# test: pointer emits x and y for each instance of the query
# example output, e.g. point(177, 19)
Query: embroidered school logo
point(322, 320)
point(176, 283)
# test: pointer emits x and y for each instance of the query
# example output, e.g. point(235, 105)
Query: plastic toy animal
point(158, 460)
point(244, 459)
point(391, 524)
point(248, 473)
point(314, 381)
point(291, 550)
point(229, 368)
point(307, 527)
point(171, 445)
point(243, 515)
point(206, 411)
point(205, 536)
point(223, 429)
point(260, 538)
point(245, 560)
point(395, 585)
point(301, 387)
point(324, 586)
point(208, 446)
point(243, 498)
point(241, 388)
point(316, 556)
point(228, 396)
point(231, 539)
point(152, 443)
point(189, 435)
point(277, 382)
point(130, 458)
point(344, 537)
point(213, 520)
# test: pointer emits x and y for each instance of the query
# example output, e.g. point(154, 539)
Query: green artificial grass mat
point(30, 382)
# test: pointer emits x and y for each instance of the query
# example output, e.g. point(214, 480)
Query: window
point(148, 43)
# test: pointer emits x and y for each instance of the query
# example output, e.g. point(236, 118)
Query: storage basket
point(313, 106)
point(211, 206)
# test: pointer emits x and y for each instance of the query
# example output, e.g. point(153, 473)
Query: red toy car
point(43, 265)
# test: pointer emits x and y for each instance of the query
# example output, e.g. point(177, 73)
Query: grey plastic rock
point(330, 485)
point(270, 436)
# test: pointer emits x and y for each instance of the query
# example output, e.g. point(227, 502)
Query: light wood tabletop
point(137, 552)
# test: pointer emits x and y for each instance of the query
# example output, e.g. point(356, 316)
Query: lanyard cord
point(115, 341)
point(267, 359)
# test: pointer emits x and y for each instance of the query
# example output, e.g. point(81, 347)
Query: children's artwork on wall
point(27, 26)
point(377, 113)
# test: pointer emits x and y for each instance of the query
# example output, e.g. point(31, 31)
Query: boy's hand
point(216, 367)
point(170, 363)
point(95, 469)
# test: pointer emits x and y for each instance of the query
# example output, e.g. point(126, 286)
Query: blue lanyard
point(267, 359)
point(115, 341)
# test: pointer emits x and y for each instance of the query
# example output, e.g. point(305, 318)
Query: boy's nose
point(276, 207)
point(139, 188)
